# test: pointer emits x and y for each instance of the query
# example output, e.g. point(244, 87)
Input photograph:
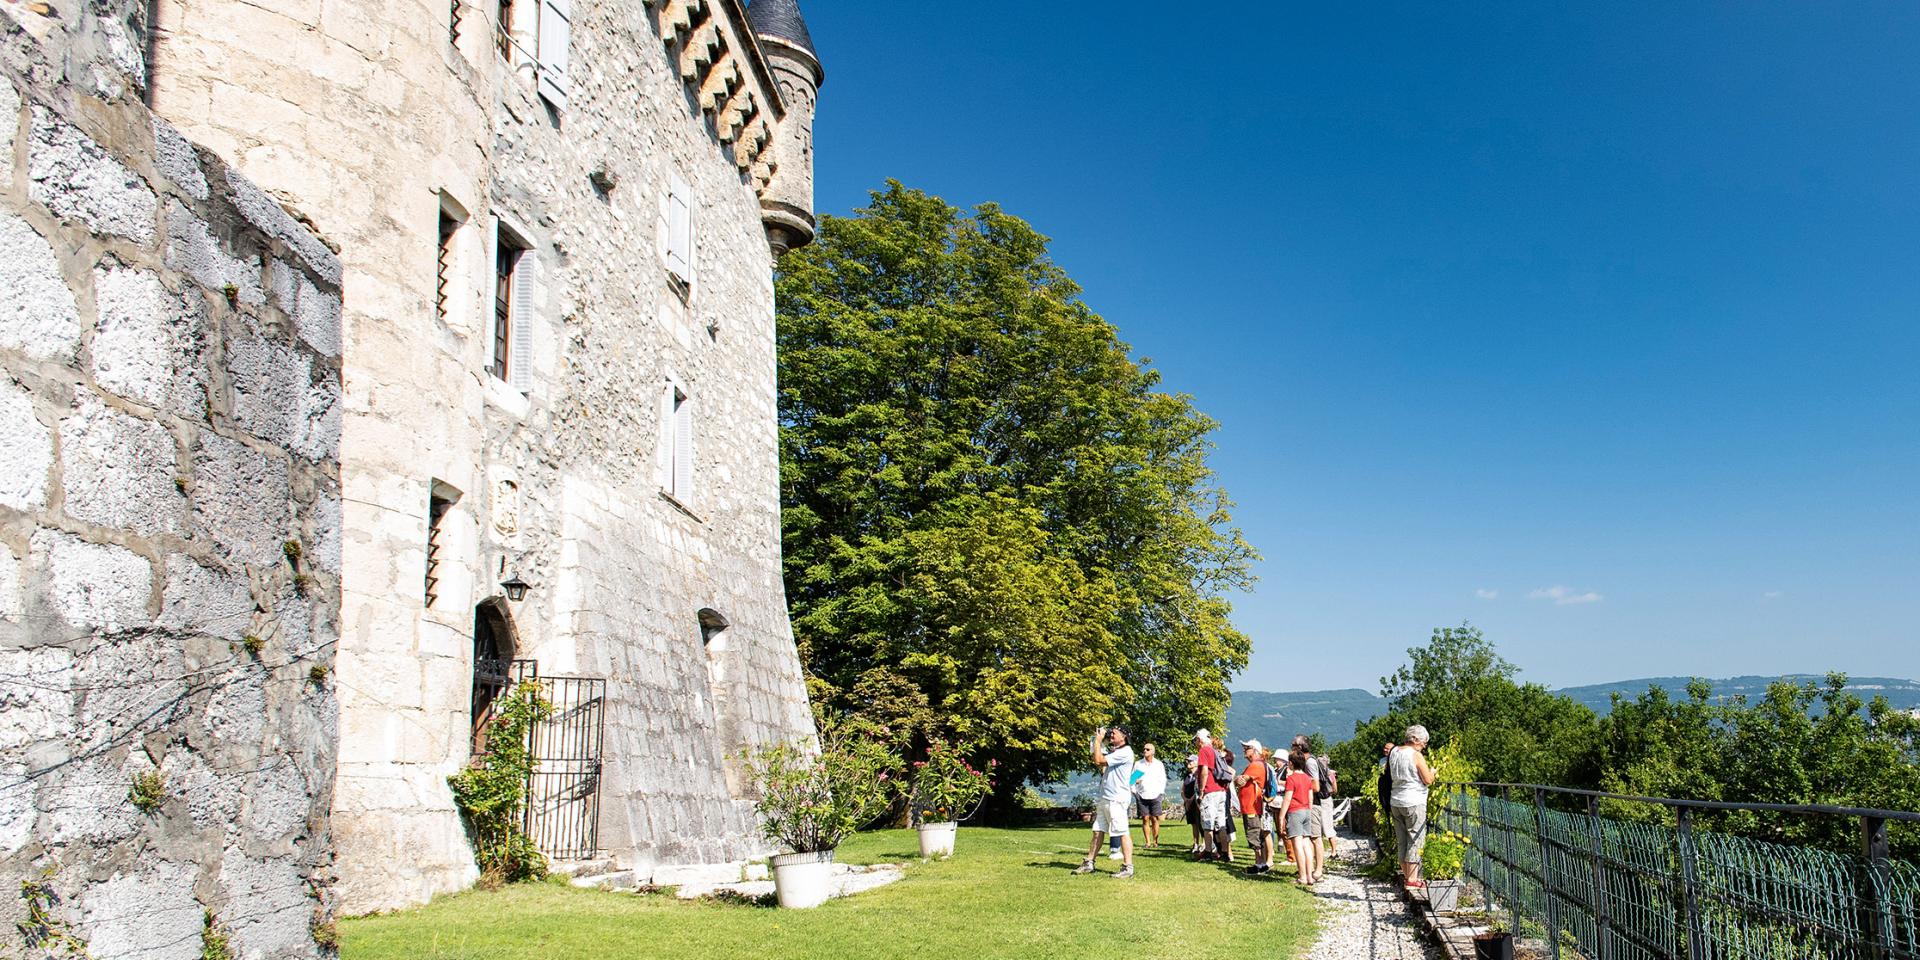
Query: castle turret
point(786, 205)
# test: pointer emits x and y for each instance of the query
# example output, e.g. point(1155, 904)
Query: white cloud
point(1486, 594)
point(1563, 596)
point(1773, 594)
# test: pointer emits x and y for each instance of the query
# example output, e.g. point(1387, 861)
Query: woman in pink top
point(1299, 792)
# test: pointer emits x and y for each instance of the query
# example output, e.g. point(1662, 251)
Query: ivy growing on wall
point(492, 792)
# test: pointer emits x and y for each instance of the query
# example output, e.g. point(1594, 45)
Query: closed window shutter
point(555, 27)
point(680, 229)
point(683, 450)
point(524, 310)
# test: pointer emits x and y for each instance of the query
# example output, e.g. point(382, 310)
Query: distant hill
point(1276, 717)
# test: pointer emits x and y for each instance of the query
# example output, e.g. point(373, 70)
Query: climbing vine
point(42, 930)
point(492, 791)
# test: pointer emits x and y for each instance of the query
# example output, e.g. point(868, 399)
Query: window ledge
point(503, 395)
point(683, 508)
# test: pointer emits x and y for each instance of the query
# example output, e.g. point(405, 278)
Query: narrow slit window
point(437, 506)
point(443, 264)
point(453, 21)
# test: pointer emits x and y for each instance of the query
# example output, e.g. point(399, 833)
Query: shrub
point(812, 798)
point(947, 787)
point(148, 792)
point(492, 791)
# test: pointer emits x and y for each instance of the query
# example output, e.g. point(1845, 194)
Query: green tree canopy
point(993, 519)
point(1461, 689)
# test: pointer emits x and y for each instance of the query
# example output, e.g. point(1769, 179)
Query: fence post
point(1600, 892)
point(1873, 915)
point(1513, 864)
point(1546, 869)
point(1690, 887)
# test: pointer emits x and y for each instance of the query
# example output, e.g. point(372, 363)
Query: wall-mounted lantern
point(516, 588)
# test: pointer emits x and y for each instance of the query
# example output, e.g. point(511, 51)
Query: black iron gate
point(563, 791)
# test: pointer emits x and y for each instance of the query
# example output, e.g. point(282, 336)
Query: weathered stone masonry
point(169, 515)
point(425, 150)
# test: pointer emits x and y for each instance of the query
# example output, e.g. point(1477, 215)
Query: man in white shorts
point(1114, 758)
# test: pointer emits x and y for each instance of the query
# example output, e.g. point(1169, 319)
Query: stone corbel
point(720, 83)
point(738, 112)
point(752, 144)
point(702, 49)
point(676, 16)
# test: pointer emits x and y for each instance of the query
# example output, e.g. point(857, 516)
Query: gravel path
point(1366, 919)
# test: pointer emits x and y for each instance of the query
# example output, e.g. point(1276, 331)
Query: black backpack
point(1386, 784)
point(1326, 777)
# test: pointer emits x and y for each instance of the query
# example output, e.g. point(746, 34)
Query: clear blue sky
point(1611, 311)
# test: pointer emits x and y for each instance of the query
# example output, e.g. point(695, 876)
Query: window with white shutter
point(526, 299)
point(554, 38)
point(679, 249)
point(516, 299)
point(682, 473)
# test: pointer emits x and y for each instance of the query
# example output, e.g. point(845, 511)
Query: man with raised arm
point(1114, 759)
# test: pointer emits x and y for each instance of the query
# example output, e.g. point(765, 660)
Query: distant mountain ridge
point(1274, 717)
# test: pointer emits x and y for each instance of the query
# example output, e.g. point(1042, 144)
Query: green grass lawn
point(1006, 894)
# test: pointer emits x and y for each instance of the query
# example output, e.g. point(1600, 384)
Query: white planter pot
point(936, 840)
point(802, 880)
point(1444, 895)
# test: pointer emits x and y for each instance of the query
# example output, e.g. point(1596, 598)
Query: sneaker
point(1086, 867)
point(1257, 870)
point(1125, 873)
point(1113, 854)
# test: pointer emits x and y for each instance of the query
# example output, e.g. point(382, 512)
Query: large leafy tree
point(1461, 689)
point(994, 521)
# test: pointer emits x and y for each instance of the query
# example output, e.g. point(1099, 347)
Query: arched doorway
point(493, 650)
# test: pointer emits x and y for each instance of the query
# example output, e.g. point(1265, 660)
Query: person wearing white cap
point(1213, 797)
point(1252, 783)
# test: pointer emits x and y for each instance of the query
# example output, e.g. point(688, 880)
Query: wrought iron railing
point(1609, 889)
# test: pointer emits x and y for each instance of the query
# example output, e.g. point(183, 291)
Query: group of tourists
point(1280, 801)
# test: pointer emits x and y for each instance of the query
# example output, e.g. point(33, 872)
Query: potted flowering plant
point(813, 796)
point(1442, 860)
point(946, 788)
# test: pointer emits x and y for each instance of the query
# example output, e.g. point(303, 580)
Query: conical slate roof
point(781, 20)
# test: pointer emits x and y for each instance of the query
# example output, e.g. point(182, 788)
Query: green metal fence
point(1607, 889)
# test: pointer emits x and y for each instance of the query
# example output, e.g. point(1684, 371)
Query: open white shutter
point(683, 451)
point(555, 28)
point(524, 312)
point(680, 228)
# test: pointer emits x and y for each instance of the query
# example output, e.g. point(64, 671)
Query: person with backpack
point(1253, 783)
point(1213, 777)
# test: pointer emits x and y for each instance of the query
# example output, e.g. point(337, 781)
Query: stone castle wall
point(374, 117)
point(169, 516)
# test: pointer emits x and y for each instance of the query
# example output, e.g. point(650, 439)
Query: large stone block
point(272, 219)
point(37, 312)
point(270, 383)
point(150, 915)
point(174, 158)
point(148, 342)
point(204, 600)
point(268, 909)
point(119, 471)
point(75, 178)
point(194, 250)
point(92, 584)
point(12, 601)
point(240, 497)
point(317, 316)
point(26, 450)
point(86, 801)
point(17, 808)
point(9, 117)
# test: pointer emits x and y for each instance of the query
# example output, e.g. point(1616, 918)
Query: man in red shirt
point(1252, 782)
point(1213, 799)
